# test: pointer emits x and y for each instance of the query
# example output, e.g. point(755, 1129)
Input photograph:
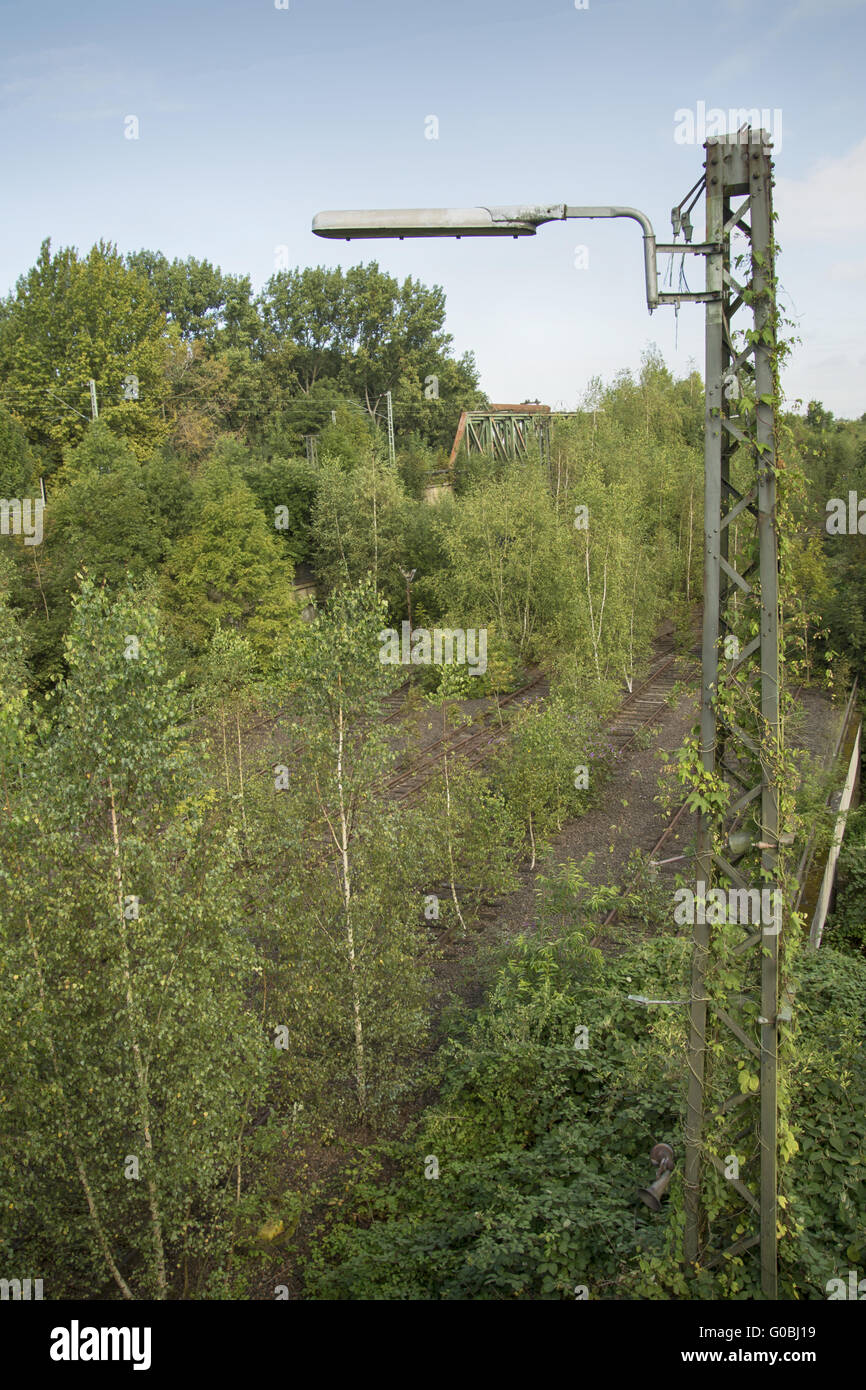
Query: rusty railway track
point(640, 708)
point(669, 830)
point(471, 743)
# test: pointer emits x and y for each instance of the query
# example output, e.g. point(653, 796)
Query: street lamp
point(737, 182)
point(512, 221)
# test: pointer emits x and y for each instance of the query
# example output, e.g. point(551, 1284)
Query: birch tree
point(350, 950)
point(131, 1058)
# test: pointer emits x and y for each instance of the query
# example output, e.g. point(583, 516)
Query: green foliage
point(72, 319)
point(125, 972)
point(15, 720)
point(289, 483)
point(465, 845)
point(102, 523)
point(540, 1143)
point(231, 569)
point(370, 334)
point(204, 303)
point(416, 461)
point(550, 768)
point(706, 792)
point(359, 528)
point(170, 497)
point(505, 562)
point(336, 894)
point(99, 451)
point(348, 438)
point(823, 1189)
point(16, 459)
point(846, 925)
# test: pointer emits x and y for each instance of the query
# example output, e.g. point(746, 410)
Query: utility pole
point(742, 744)
point(408, 575)
point(94, 408)
point(390, 408)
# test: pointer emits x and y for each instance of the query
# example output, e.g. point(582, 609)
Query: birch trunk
point(448, 831)
point(241, 771)
point(351, 954)
point(139, 1066)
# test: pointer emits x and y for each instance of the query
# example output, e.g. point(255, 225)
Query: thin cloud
point(848, 271)
point(818, 9)
point(830, 201)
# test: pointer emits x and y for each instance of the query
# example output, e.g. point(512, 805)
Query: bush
point(539, 1143)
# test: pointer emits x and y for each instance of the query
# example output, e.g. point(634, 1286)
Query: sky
point(249, 116)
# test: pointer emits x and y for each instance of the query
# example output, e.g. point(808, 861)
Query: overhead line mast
point(739, 744)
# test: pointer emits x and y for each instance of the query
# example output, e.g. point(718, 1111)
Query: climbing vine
point(759, 755)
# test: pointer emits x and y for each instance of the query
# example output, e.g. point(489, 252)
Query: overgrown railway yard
point(634, 839)
point(626, 854)
point(420, 818)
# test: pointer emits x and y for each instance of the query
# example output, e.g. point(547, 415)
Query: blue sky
point(252, 118)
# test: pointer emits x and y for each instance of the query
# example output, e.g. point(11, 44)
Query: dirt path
point(626, 817)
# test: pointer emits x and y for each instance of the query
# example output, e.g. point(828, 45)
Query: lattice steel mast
point(743, 606)
point(739, 199)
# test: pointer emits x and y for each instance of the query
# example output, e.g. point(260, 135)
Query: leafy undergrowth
point(828, 1172)
point(552, 1096)
point(520, 1181)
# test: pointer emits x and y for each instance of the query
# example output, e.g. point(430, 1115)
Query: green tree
point(368, 333)
point(290, 484)
point(170, 497)
point(465, 839)
point(231, 569)
point(205, 304)
point(308, 309)
point(131, 1060)
point(345, 912)
point(99, 520)
point(817, 417)
point(74, 319)
point(227, 689)
point(359, 526)
point(538, 769)
point(506, 560)
point(17, 465)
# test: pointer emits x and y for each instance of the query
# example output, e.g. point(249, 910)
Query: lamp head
point(352, 225)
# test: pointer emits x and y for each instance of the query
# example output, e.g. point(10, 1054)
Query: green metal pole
point(714, 349)
point(761, 194)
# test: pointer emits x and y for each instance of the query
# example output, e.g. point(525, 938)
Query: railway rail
point(640, 708)
point(666, 834)
point(471, 743)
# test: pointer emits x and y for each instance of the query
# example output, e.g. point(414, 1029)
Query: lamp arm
point(649, 243)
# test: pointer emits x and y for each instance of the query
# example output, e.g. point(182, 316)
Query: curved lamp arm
point(649, 243)
point(516, 220)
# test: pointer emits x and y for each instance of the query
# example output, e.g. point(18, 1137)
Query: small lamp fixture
point(742, 840)
point(662, 1156)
